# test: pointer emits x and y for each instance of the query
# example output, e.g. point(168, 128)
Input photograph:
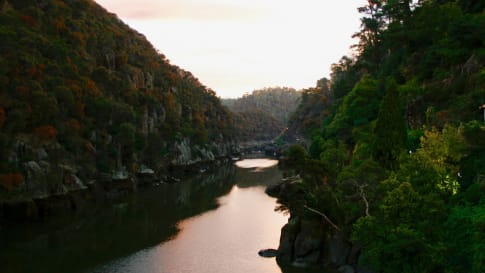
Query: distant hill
point(263, 114)
point(79, 88)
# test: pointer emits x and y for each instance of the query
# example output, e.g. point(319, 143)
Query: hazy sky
point(237, 46)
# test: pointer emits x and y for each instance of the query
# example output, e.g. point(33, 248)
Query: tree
point(46, 132)
point(390, 131)
point(358, 108)
point(296, 158)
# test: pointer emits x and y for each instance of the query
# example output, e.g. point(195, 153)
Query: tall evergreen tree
point(390, 131)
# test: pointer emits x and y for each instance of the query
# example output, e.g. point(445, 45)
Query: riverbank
point(219, 218)
point(310, 239)
point(104, 188)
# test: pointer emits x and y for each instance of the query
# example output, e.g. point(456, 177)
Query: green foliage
point(435, 165)
point(401, 247)
point(405, 173)
point(311, 111)
point(390, 130)
point(296, 157)
point(332, 154)
point(358, 108)
point(465, 239)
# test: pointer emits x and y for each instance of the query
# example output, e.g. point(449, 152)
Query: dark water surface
point(211, 223)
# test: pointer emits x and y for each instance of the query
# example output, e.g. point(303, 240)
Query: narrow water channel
point(212, 223)
point(223, 240)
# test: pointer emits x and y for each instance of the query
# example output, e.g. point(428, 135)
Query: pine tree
point(390, 130)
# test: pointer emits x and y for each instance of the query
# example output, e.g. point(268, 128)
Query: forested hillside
point(263, 114)
point(312, 108)
point(82, 94)
point(397, 159)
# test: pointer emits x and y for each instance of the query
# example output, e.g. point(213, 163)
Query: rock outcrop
point(186, 154)
point(307, 240)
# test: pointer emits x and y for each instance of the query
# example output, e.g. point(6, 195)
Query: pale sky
point(237, 46)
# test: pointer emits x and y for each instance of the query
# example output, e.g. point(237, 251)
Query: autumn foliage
point(73, 75)
point(46, 132)
point(10, 181)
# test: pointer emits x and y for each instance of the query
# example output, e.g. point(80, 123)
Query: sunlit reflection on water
point(259, 163)
point(219, 241)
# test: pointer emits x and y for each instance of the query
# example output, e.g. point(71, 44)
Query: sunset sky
point(237, 46)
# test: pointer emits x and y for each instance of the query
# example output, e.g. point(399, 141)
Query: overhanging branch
point(324, 216)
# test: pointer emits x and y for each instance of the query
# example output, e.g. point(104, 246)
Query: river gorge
point(213, 222)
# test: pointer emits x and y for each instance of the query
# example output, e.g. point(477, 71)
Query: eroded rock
point(268, 253)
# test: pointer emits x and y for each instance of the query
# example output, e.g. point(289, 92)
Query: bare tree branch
point(323, 215)
point(361, 193)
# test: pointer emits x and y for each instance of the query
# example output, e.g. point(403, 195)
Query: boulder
point(337, 249)
point(41, 154)
point(346, 269)
point(287, 241)
point(308, 243)
point(268, 253)
point(273, 190)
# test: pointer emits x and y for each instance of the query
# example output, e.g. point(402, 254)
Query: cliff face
point(82, 94)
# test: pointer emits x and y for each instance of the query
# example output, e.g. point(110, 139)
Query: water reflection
point(146, 233)
point(74, 244)
point(260, 163)
point(219, 241)
point(222, 240)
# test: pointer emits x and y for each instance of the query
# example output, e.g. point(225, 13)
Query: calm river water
point(212, 223)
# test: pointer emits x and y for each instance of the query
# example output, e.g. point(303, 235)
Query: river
point(211, 223)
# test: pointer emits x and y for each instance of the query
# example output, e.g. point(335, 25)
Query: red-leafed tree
point(46, 132)
point(10, 180)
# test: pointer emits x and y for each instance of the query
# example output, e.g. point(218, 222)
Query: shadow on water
point(136, 232)
point(80, 242)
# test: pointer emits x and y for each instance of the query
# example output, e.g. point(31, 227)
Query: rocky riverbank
point(53, 185)
point(309, 240)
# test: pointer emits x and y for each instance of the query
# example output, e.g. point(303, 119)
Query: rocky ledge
point(308, 241)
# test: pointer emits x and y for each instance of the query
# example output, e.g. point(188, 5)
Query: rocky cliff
point(309, 239)
point(83, 97)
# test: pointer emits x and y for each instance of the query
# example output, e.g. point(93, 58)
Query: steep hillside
point(83, 94)
point(263, 114)
point(396, 167)
point(312, 109)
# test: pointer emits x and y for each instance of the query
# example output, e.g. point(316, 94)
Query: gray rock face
point(308, 242)
point(287, 240)
point(186, 154)
point(183, 153)
point(148, 80)
point(41, 154)
point(337, 250)
point(346, 269)
point(110, 57)
point(33, 169)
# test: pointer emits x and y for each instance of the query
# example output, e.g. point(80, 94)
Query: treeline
point(263, 114)
point(79, 87)
point(396, 160)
